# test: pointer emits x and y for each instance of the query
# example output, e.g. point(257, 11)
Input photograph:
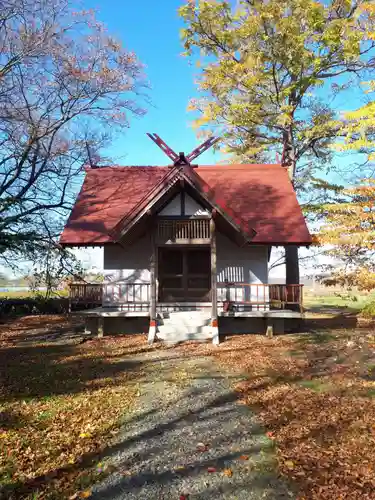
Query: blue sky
point(151, 29)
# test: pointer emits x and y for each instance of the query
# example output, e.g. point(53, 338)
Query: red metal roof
point(261, 194)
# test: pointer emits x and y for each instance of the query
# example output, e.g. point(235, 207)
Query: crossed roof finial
point(181, 159)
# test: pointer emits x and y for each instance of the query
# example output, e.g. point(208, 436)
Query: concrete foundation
point(112, 322)
point(112, 326)
point(232, 326)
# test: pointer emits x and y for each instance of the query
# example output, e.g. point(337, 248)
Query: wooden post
point(87, 326)
point(269, 327)
point(214, 318)
point(152, 328)
point(100, 327)
point(291, 265)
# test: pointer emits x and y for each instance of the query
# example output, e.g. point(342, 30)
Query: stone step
point(170, 338)
point(181, 326)
point(175, 341)
point(176, 330)
point(200, 312)
point(189, 314)
point(186, 324)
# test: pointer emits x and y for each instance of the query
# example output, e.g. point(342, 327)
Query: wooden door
point(184, 274)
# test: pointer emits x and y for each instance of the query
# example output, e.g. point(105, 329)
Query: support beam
point(292, 273)
point(214, 316)
point(153, 324)
point(291, 265)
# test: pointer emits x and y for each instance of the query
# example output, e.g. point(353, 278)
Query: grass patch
point(354, 302)
point(317, 337)
point(61, 405)
point(368, 310)
point(27, 294)
point(315, 385)
point(370, 393)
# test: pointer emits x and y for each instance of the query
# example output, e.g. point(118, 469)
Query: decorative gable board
point(183, 204)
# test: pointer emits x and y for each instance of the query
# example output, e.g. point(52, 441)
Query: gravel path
point(184, 403)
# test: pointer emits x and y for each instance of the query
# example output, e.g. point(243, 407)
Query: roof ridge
point(228, 166)
point(115, 167)
point(242, 166)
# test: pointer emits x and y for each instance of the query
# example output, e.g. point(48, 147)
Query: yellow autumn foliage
point(349, 232)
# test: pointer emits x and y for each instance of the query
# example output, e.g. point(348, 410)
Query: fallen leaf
point(244, 457)
point(85, 494)
point(85, 435)
point(289, 464)
point(202, 447)
point(228, 472)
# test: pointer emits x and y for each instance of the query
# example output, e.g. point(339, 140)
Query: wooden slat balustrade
point(86, 293)
point(136, 296)
point(261, 296)
point(196, 230)
point(128, 296)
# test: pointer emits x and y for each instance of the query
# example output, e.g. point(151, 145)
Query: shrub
point(369, 310)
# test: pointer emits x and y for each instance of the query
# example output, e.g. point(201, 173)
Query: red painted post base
point(152, 331)
point(215, 331)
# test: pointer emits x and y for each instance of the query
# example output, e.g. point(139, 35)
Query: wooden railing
point(129, 296)
point(241, 296)
point(183, 230)
point(283, 296)
point(260, 296)
point(86, 293)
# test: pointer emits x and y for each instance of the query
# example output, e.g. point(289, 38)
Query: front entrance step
point(204, 331)
point(195, 323)
point(185, 325)
point(172, 338)
point(186, 315)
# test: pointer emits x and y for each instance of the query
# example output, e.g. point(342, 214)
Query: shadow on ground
point(187, 435)
point(190, 436)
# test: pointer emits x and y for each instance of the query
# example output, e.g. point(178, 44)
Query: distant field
point(355, 301)
point(19, 294)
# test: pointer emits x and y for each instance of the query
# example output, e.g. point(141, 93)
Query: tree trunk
point(292, 265)
point(289, 152)
point(289, 162)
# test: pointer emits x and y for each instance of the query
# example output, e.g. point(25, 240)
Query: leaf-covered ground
point(315, 393)
point(61, 401)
